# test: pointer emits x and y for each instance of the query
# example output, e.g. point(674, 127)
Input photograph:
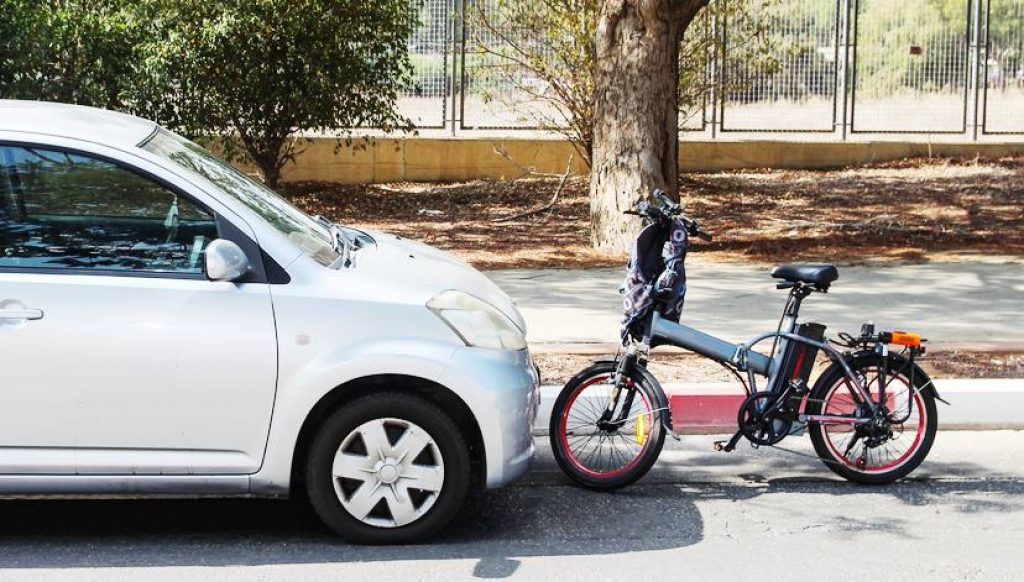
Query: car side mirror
point(225, 261)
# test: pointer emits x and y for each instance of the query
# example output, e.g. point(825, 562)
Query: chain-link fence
point(910, 66)
point(430, 51)
point(497, 91)
point(839, 67)
point(798, 91)
point(1004, 68)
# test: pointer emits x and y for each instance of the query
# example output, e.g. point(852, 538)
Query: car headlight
point(477, 322)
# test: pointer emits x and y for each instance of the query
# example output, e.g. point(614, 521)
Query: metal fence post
point(717, 63)
point(843, 67)
point(976, 43)
point(455, 87)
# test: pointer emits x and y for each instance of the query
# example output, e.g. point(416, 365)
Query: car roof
point(74, 121)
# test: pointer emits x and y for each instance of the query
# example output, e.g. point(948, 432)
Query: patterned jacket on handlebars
point(655, 275)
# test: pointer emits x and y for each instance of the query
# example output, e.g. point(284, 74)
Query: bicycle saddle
point(820, 275)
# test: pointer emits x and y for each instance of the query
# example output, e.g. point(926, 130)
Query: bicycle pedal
point(730, 445)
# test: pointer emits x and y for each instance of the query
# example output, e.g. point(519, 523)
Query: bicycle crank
point(765, 420)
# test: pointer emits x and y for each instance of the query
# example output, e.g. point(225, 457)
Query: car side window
point(61, 210)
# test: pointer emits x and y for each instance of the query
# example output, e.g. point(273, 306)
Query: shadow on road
point(494, 526)
point(544, 518)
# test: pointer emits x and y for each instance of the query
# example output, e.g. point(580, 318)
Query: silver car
point(170, 326)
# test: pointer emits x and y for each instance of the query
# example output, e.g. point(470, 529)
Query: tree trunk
point(271, 175)
point(636, 126)
point(269, 153)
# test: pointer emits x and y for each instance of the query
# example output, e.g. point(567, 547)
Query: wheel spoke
point(422, 477)
point(411, 444)
point(375, 439)
point(400, 504)
point(362, 502)
point(352, 466)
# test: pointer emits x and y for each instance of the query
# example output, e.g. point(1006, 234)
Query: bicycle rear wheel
point(874, 454)
point(612, 457)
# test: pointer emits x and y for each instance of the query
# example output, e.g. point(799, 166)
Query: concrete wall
point(422, 159)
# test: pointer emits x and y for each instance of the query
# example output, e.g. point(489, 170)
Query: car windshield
point(311, 236)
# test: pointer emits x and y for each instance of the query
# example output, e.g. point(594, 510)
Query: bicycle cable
point(746, 388)
point(778, 329)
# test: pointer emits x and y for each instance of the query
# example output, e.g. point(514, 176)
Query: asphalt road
point(699, 515)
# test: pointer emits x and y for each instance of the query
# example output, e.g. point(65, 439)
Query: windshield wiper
point(340, 241)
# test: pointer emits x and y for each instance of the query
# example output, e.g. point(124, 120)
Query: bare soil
point(906, 211)
point(458, 217)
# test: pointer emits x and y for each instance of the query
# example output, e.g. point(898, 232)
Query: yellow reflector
point(641, 428)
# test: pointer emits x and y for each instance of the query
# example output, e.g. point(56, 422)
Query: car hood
point(413, 264)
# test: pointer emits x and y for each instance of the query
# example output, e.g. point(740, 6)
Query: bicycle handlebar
point(668, 210)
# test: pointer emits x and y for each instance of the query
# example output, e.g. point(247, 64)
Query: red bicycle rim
point(564, 430)
point(881, 465)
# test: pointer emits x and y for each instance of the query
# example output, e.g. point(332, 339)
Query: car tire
point(399, 455)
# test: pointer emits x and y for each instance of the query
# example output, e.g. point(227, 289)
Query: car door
point(117, 355)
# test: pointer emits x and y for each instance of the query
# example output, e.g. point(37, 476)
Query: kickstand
point(727, 447)
point(672, 432)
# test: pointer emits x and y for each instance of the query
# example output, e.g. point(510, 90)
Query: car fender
point(298, 394)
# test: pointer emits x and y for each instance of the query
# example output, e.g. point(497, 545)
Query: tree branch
point(554, 197)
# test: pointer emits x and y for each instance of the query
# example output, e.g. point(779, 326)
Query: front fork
point(623, 371)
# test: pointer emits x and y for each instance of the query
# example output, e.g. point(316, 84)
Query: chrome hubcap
point(388, 472)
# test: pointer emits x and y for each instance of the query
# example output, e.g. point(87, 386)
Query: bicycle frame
point(743, 358)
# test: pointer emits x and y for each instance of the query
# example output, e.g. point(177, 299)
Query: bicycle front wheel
point(606, 457)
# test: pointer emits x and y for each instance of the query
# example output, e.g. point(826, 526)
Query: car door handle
point(21, 314)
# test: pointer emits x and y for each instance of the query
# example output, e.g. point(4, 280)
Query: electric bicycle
point(871, 413)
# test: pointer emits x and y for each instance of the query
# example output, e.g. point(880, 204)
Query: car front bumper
point(502, 389)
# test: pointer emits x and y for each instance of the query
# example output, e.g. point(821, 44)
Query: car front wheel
point(388, 468)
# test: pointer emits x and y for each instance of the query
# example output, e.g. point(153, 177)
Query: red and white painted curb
point(975, 404)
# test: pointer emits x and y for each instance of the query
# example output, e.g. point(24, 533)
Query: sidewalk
point(951, 304)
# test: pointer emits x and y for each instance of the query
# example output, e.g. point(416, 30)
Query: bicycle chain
point(794, 431)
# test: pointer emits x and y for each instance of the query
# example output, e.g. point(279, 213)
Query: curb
point(711, 408)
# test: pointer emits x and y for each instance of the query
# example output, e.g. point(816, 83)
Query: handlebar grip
point(704, 236)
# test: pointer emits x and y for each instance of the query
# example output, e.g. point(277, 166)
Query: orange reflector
point(905, 338)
